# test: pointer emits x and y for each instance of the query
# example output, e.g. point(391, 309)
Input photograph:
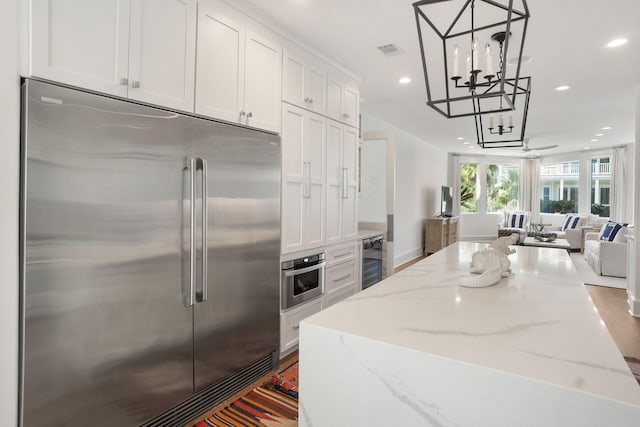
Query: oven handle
point(290, 273)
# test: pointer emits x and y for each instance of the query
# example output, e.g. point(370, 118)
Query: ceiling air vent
point(389, 49)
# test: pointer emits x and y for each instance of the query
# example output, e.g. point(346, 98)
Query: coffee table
point(558, 243)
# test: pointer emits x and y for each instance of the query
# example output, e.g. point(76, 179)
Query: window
point(559, 187)
point(502, 187)
point(600, 186)
point(468, 187)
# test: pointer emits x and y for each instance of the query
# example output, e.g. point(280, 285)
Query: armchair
point(607, 258)
point(515, 222)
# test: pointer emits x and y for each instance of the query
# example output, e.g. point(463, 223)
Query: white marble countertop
point(366, 233)
point(537, 324)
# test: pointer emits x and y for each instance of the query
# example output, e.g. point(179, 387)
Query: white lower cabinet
point(336, 297)
point(290, 324)
point(341, 280)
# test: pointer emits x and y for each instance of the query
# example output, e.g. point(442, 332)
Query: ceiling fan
point(526, 147)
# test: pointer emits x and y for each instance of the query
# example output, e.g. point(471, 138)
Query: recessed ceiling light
point(594, 140)
point(563, 87)
point(471, 147)
point(587, 148)
point(404, 80)
point(524, 60)
point(466, 143)
point(606, 128)
point(617, 42)
point(460, 138)
point(599, 134)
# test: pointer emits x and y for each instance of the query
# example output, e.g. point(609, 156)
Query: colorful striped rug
point(634, 365)
point(274, 404)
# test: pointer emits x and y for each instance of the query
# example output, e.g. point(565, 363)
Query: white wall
point(9, 183)
point(421, 169)
point(372, 203)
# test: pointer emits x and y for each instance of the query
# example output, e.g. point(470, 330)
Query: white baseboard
point(634, 305)
point(407, 256)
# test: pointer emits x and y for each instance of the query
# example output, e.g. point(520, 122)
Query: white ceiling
point(566, 39)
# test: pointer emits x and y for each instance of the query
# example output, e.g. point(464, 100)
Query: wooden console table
point(440, 233)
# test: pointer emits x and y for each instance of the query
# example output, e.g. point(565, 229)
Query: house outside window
point(559, 187)
point(469, 190)
point(503, 184)
point(600, 177)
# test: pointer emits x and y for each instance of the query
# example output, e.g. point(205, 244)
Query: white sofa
point(607, 258)
point(572, 235)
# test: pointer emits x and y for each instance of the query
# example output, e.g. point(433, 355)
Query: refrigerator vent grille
point(214, 394)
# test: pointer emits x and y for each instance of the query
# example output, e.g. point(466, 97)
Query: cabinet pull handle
point(296, 327)
point(307, 180)
point(307, 99)
point(241, 117)
point(135, 84)
point(249, 115)
point(346, 116)
point(342, 254)
point(342, 278)
point(345, 183)
point(124, 81)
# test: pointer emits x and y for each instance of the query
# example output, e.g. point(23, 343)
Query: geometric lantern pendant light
point(470, 49)
point(504, 129)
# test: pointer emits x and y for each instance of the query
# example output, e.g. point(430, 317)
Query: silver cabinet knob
point(124, 81)
point(345, 115)
point(249, 114)
point(135, 84)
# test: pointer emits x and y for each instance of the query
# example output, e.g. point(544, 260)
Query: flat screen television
point(446, 202)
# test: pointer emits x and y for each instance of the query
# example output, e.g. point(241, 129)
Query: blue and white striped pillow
point(516, 220)
point(571, 222)
point(609, 231)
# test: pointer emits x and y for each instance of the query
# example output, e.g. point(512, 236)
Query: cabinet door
point(316, 83)
point(262, 84)
point(293, 81)
point(334, 182)
point(350, 198)
point(293, 178)
point(162, 53)
point(314, 154)
point(351, 106)
point(83, 43)
point(220, 66)
point(335, 96)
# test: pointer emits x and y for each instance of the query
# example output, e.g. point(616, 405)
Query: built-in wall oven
point(302, 280)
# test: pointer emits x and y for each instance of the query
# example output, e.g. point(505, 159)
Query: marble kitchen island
point(417, 349)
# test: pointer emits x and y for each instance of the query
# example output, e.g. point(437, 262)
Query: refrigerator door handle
point(192, 231)
point(201, 294)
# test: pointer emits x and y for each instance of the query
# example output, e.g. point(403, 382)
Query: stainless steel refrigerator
point(149, 260)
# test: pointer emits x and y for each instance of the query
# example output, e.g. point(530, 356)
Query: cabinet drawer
point(290, 323)
point(339, 277)
point(337, 254)
point(337, 297)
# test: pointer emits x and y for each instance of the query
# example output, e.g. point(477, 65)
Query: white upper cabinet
point(343, 101)
point(304, 84)
point(303, 179)
point(142, 49)
point(162, 52)
point(342, 183)
point(81, 43)
point(238, 72)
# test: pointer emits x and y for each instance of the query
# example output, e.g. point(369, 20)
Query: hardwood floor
point(614, 311)
point(288, 360)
